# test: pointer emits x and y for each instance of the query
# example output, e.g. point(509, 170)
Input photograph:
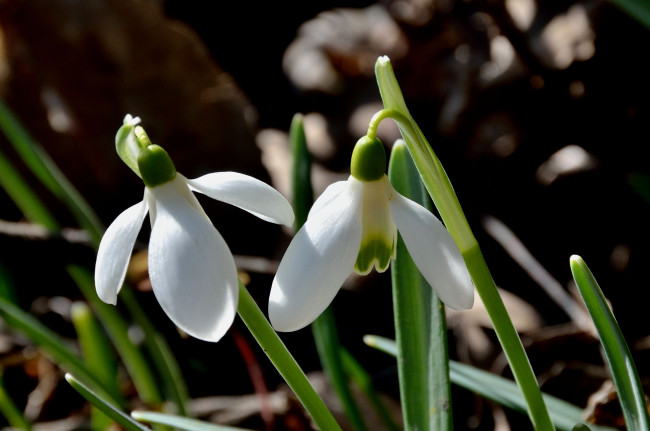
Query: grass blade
point(97, 354)
point(10, 411)
point(48, 173)
point(54, 347)
point(362, 379)
point(18, 190)
point(498, 389)
point(617, 352)
point(179, 422)
point(108, 408)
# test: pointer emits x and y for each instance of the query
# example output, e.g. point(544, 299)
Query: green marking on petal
point(379, 233)
point(375, 252)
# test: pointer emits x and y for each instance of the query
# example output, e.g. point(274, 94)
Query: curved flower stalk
point(353, 226)
point(192, 270)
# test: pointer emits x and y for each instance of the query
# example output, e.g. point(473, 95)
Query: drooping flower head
point(353, 226)
point(192, 270)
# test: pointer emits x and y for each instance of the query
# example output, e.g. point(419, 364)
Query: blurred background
point(538, 111)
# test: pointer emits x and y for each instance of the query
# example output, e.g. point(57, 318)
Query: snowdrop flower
point(192, 270)
point(353, 226)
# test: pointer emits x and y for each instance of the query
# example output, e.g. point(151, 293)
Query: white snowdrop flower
point(353, 226)
point(192, 270)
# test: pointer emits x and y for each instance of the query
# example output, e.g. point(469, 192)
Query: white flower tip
point(130, 120)
point(282, 319)
point(216, 330)
point(463, 300)
point(105, 293)
point(383, 60)
point(285, 214)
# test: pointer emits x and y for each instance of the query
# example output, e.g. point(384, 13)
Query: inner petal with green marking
point(379, 235)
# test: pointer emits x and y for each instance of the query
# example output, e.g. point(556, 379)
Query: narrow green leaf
point(54, 347)
point(48, 173)
point(581, 427)
point(179, 422)
point(94, 345)
point(10, 411)
point(617, 352)
point(106, 406)
point(363, 380)
point(498, 389)
point(301, 188)
point(162, 356)
point(7, 290)
point(329, 352)
point(18, 190)
point(637, 9)
point(97, 354)
point(420, 324)
point(117, 329)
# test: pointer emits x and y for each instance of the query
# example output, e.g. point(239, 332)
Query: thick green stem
point(442, 192)
point(286, 365)
point(510, 341)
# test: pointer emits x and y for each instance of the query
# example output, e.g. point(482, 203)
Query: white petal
point(434, 252)
point(317, 262)
point(331, 192)
point(247, 193)
point(192, 271)
point(115, 252)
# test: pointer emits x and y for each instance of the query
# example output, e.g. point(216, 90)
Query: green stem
point(442, 192)
point(286, 365)
point(510, 341)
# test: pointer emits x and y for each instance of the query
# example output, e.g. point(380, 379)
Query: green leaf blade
point(105, 406)
point(420, 324)
point(617, 352)
point(179, 422)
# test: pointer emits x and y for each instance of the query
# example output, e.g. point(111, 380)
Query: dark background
point(207, 77)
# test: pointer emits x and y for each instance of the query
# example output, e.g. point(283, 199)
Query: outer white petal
point(115, 252)
point(317, 262)
point(247, 193)
point(192, 271)
point(434, 252)
point(330, 194)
